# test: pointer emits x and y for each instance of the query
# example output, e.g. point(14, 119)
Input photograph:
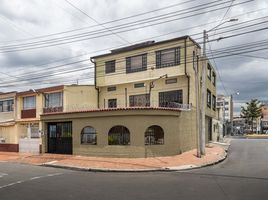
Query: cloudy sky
point(38, 38)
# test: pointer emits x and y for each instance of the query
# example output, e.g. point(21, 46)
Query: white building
point(225, 106)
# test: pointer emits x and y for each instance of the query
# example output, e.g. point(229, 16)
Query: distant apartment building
point(264, 119)
point(225, 105)
point(146, 101)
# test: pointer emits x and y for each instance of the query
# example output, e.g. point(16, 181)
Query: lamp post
point(151, 85)
point(203, 88)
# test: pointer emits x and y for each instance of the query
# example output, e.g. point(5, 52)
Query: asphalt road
point(243, 175)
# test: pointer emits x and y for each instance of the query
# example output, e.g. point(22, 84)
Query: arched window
point(154, 135)
point(89, 135)
point(119, 135)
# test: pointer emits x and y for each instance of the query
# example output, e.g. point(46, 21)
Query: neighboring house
point(20, 112)
point(146, 103)
point(8, 138)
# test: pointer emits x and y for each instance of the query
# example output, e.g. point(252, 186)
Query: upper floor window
point(139, 85)
point(112, 103)
point(7, 105)
point(28, 102)
point(171, 80)
point(170, 98)
point(111, 88)
point(140, 100)
point(53, 100)
point(209, 98)
point(168, 57)
point(136, 63)
point(214, 102)
point(214, 78)
point(110, 66)
point(209, 71)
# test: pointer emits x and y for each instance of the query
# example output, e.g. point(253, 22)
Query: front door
point(60, 137)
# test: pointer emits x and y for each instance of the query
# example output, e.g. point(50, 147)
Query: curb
point(164, 169)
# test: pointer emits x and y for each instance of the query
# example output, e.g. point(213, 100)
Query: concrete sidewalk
point(188, 160)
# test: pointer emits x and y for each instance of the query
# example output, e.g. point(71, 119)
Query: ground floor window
point(88, 135)
point(119, 135)
point(154, 135)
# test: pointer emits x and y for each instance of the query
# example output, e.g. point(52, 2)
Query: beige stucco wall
point(180, 134)
point(123, 91)
point(8, 133)
point(119, 76)
point(79, 97)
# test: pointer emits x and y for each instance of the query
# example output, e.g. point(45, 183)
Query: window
point(208, 98)
point(53, 100)
point(171, 81)
point(112, 103)
point(168, 57)
point(112, 88)
point(141, 100)
point(209, 71)
point(226, 108)
point(136, 63)
point(89, 135)
point(214, 102)
point(119, 135)
point(139, 85)
point(170, 98)
point(110, 66)
point(28, 103)
point(6, 106)
point(226, 103)
point(214, 78)
point(154, 135)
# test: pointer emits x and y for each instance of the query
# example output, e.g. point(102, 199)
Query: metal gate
point(60, 138)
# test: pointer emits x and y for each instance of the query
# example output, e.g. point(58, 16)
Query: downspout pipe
point(95, 82)
point(185, 70)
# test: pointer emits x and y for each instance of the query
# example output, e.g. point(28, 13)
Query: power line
point(74, 39)
point(96, 21)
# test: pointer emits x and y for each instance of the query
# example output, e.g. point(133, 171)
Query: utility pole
point(197, 94)
point(203, 97)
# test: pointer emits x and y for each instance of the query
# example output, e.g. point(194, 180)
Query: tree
point(252, 111)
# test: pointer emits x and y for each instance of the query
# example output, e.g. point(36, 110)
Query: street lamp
point(203, 89)
point(151, 85)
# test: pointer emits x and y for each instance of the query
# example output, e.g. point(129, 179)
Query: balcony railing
point(52, 109)
point(29, 113)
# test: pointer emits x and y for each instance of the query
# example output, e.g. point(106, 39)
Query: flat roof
point(144, 45)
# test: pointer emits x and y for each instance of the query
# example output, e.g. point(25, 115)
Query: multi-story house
point(8, 140)
point(20, 112)
point(146, 99)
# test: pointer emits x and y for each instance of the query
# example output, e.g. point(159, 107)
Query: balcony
point(53, 109)
point(29, 113)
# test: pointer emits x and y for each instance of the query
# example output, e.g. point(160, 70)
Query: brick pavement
point(214, 153)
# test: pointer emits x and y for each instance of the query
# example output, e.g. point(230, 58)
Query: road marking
point(30, 179)
point(3, 174)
